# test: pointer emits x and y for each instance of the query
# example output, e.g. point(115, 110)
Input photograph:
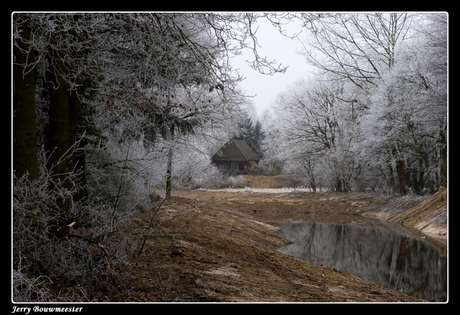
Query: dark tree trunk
point(57, 131)
point(57, 139)
point(443, 156)
point(80, 162)
point(401, 171)
point(61, 132)
point(338, 185)
point(24, 119)
point(169, 167)
point(169, 173)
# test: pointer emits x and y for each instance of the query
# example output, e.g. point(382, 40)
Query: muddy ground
point(218, 246)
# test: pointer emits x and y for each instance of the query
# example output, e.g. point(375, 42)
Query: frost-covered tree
point(252, 134)
point(272, 161)
point(357, 47)
point(406, 123)
point(374, 116)
point(128, 77)
point(104, 106)
point(316, 127)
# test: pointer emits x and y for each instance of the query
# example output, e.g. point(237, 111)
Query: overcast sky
point(275, 47)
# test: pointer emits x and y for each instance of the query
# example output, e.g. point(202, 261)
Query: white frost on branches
point(374, 118)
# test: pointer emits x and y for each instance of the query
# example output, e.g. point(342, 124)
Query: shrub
point(75, 248)
point(27, 289)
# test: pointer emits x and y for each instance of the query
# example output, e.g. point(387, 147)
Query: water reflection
point(378, 253)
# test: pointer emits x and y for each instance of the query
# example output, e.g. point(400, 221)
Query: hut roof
point(235, 150)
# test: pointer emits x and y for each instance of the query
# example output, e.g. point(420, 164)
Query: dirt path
point(217, 246)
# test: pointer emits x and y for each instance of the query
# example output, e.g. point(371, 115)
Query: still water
point(379, 253)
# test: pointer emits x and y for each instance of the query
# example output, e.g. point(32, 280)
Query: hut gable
point(236, 155)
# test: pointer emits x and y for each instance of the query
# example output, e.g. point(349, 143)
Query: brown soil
point(275, 181)
point(217, 246)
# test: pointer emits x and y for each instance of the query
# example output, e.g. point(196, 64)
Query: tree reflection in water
point(377, 253)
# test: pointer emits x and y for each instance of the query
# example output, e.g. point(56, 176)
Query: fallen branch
point(149, 226)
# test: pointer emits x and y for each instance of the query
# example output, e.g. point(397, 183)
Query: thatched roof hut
point(236, 155)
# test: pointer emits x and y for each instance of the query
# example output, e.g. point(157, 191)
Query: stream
point(376, 252)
